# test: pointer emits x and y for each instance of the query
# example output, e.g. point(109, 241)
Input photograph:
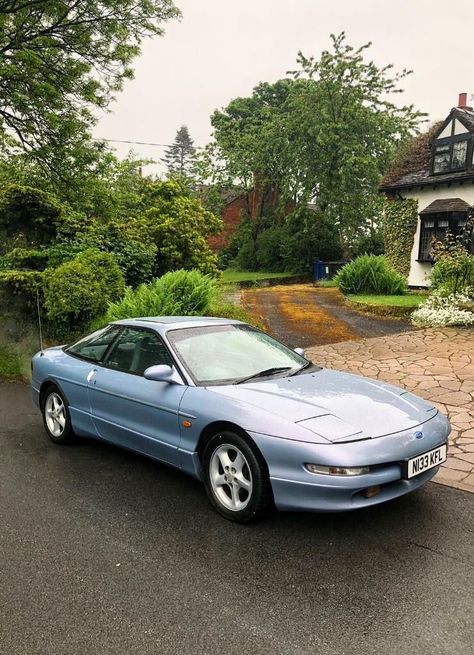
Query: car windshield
point(224, 354)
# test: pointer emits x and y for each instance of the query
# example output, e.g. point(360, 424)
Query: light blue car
point(258, 423)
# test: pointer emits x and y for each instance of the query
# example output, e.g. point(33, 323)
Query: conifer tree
point(180, 157)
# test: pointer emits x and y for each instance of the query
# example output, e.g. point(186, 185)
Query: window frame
point(98, 362)
point(139, 328)
point(451, 141)
point(451, 217)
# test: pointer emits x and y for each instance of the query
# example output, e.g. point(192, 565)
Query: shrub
point(304, 236)
point(24, 258)
point(133, 251)
point(453, 271)
point(60, 253)
point(370, 274)
point(136, 261)
point(28, 215)
point(177, 293)
point(439, 310)
point(78, 290)
point(371, 243)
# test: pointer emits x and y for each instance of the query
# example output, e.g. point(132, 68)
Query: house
point(236, 203)
point(439, 174)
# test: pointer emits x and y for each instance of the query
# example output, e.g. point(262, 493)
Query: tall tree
point(346, 128)
point(60, 59)
point(180, 157)
point(324, 135)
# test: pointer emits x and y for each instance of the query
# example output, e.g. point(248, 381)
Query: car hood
point(337, 406)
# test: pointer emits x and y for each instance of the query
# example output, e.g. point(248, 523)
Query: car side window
point(94, 346)
point(136, 350)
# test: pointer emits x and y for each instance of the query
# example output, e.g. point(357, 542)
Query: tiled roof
point(446, 205)
point(466, 116)
point(423, 178)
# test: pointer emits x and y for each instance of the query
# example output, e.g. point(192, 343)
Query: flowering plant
point(439, 310)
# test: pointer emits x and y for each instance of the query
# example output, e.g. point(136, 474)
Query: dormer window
point(450, 154)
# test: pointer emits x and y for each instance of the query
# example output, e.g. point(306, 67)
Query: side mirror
point(300, 351)
point(161, 373)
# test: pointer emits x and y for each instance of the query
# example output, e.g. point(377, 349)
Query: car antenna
point(39, 318)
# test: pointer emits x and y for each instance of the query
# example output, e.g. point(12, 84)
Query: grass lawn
point(408, 300)
point(231, 275)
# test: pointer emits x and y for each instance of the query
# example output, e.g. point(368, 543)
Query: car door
point(129, 410)
point(73, 370)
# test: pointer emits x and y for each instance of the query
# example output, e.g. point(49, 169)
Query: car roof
point(166, 322)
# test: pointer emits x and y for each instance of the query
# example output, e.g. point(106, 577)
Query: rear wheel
point(236, 480)
point(56, 418)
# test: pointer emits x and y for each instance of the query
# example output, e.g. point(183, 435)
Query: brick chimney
point(462, 100)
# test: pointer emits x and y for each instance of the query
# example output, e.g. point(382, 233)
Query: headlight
point(337, 470)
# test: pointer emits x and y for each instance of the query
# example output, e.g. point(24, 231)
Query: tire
point(56, 417)
point(236, 479)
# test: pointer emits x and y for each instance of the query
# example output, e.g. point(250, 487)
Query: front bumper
point(295, 488)
point(319, 497)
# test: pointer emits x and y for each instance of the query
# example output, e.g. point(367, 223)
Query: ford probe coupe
point(259, 424)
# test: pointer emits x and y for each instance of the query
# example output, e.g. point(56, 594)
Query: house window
point(450, 155)
point(441, 159)
point(435, 227)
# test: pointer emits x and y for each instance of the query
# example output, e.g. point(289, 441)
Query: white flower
point(439, 311)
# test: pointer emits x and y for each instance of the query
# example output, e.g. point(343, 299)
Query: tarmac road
point(105, 552)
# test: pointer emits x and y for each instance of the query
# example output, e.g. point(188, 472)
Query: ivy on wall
point(399, 227)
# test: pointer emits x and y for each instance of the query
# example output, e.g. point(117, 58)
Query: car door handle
point(90, 375)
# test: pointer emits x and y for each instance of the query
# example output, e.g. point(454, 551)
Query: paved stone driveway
point(436, 364)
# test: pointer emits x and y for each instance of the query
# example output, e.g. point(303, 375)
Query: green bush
point(28, 216)
point(368, 244)
point(59, 253)
point(136, 261)
point(453, 271)
point(177, 293)
point(370, 274)
point(24, 258)
point(304, 236)
point(79, 290)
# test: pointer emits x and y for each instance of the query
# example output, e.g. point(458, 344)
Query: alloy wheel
point(230, 477)
point(55, 414)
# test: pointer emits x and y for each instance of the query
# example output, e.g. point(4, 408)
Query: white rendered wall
point(420, 271)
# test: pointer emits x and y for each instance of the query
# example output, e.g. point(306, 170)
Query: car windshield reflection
point(226, 354)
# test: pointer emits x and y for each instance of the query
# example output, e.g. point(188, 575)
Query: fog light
point(370, 492)
point(337, 470)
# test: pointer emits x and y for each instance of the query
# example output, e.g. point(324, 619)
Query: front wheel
point(236, 480)
point(56, 418)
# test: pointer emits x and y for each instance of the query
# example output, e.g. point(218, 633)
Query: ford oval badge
point(418, 435)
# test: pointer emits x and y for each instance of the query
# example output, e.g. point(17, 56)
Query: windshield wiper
point(267, 371)
point(302, 368)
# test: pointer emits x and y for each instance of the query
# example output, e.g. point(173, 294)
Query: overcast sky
point(221, 49)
